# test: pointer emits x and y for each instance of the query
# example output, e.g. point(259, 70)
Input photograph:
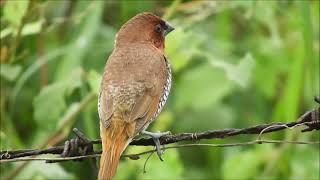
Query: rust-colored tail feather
point(113, 143)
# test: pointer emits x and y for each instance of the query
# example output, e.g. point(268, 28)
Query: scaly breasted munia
point(134, 88)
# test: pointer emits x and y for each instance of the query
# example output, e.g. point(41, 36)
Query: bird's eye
point(158, 28)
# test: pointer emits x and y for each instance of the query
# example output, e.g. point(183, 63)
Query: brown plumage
point(134, 87)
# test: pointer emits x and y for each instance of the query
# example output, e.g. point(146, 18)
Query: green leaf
point(28, 29)
point(50, 103)
point(14, 11)
point(73, 80)
point(5, 32)
point(239, 73)
point(32, 28)
point(10, 72)
point(200, 87)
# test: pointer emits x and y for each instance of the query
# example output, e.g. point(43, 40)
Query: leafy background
point(235, 64)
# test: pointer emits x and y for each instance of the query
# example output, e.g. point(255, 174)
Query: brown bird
point(134, 88)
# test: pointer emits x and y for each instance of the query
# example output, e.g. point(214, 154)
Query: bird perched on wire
point(134, 87)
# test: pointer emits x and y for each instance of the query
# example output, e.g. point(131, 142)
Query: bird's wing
point(145, 108)
point(137, 114)
point(142, 122)
point(105, 107)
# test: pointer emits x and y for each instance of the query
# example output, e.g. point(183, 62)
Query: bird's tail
point(114, 141)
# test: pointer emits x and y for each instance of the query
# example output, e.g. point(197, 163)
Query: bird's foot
point(156, 136)
point(77, 146)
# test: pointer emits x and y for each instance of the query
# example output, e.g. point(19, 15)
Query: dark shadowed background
point(235, 64)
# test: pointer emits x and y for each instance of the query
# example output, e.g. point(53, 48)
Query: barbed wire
point(137, 156)
point(310, 120)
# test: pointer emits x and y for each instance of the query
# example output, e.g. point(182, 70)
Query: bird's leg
point(156, 136)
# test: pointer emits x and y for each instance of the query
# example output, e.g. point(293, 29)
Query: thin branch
point(309, 119)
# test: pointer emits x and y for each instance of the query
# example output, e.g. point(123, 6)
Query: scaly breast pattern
point(165, 92)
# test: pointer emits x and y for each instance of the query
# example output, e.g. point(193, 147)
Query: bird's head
point(144, 28)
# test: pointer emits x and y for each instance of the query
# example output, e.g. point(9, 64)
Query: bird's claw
point(156, 138)
point(74, 146)
point(71, 148)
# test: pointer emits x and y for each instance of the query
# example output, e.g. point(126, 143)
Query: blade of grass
point(288, 106)
point(307, 34)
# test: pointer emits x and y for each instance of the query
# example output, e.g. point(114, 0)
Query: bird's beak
point(168, 29)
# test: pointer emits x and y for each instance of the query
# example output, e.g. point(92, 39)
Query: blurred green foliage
point(235, 64)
